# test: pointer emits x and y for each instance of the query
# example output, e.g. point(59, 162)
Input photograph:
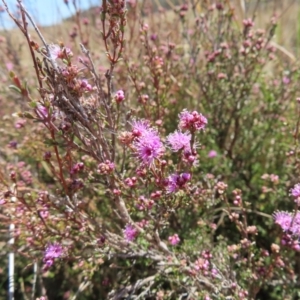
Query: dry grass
point(287, 35)
point(288, 14)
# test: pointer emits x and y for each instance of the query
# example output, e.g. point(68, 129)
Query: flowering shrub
point(159, 170)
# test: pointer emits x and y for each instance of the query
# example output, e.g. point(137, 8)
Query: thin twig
point(35, 274)
point(11, 264)
point(39, 34)
point(81, 288)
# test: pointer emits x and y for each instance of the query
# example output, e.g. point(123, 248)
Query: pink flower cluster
point(52, 252)
point(288, 221)
point(204, 266)
point(85, 86)
point(144, 203)
point(174, 239)
point(77, 168)
point(42, 111)
point(181, 141)
point(290, 224)
point(58, 52)
point(149, 147)
point(295, 192)
point(119, 96)
point(106, 167)
point(192, 121)
point(130, 232)
point(177, 182)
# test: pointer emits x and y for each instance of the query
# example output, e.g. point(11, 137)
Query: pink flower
point(9, 66)
point(283, 219)
point(149, 147)
point(212, 153)
point(174, 239)
point(42, 111)
point(20, 123)
point(286, 80)
point(130, 182)
point(290, 241)
point(13, 144)
point(119, 96)
point(274, 178)
point(77, 168)
point(130, 232)
point(55, 51)
point(26, 176)
point(179, 141)
point(222, 76)
point(289, 222)
point(295, 191)
point(147, 142)
point(52, 252)
point(192, 121)
point(248, 23)
point(144, 203)
point(176, 182)
point(202, 264)
point(85, 85)
point(106, 167)
point(139, 127)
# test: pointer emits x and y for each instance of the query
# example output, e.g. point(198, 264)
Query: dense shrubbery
point(150, 156)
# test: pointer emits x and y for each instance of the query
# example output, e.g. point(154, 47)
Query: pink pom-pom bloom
point(179, 141)
point(295, 191)
point(192, 121)
point(139, 127)
point(289, 222)
point(130, 233)
point(52, 252)
point(283, 219)
point(174, 239)
point(147, 144)
point(149, 147)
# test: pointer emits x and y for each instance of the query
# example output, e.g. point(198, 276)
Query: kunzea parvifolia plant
point(148, 154)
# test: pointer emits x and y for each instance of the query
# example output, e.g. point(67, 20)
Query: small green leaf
point(33, 104)
point(28, 115)
point(14, 88)
point(50, 142)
